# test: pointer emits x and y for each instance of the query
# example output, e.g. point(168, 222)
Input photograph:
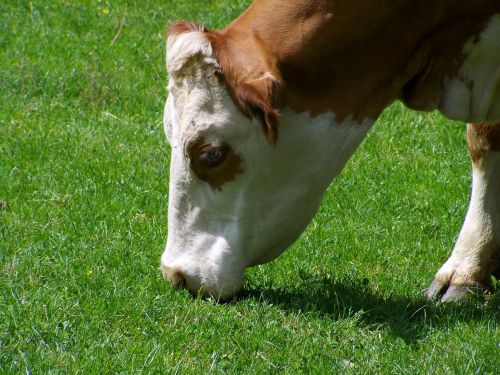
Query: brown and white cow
point(262, 115)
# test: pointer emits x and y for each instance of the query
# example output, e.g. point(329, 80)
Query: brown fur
point(481, 139)
point(350, 57)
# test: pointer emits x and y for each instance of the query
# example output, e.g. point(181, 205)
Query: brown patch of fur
point(216, 175)
point(481, 139)
point(352, 58)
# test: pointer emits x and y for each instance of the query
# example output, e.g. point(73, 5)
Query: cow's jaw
point(215, 232)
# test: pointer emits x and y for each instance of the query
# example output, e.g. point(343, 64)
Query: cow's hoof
point(446, 292)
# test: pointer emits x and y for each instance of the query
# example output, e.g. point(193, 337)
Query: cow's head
point(238, 195)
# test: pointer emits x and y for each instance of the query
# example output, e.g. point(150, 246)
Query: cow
point(262, 115)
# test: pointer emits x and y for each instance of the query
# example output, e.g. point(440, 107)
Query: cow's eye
point(211, 156)
point(215, 164)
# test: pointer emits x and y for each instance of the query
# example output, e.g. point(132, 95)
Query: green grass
point(83, 204)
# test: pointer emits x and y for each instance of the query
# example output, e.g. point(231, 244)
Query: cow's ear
point(259, 99)
point(258, 92)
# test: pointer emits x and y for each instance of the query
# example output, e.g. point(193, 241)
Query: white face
point(235, 200)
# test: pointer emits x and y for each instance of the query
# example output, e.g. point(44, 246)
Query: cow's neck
point(329, 62)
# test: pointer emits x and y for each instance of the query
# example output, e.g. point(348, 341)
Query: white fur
point(182, 47)
point(479, 238)
point(474, 95)
point(214, 235)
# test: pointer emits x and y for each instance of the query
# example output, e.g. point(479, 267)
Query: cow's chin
point(276, 250)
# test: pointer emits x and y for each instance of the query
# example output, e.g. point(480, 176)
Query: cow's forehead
point(208, 112)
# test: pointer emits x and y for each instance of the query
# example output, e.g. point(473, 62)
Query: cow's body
point(314, 76)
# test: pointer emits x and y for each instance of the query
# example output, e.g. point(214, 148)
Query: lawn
point(83, 222)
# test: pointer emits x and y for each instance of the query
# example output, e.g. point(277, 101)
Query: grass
point(83, 203)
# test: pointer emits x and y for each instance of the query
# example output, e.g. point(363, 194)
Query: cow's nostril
point(174, 275)
point(178, 279)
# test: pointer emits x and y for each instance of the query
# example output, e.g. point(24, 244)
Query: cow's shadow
point(409, 318)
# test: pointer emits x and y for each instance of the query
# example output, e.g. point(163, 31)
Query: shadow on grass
point(405, 317)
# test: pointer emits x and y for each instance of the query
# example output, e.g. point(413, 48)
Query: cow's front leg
point(476, 255)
